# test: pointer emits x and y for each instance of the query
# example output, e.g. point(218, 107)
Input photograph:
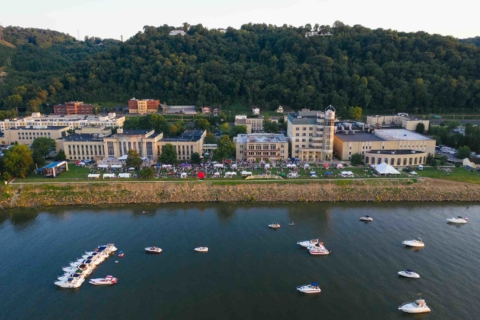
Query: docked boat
point(153, 250)
point(366, 218)
point(82, 267)
point(108, 280)
point(121, 254)
point(318, 250)
point(291, 223)
point(309, 288)
point(274, 225)
point(459, 220)
point(201, 249)
point(417, 306)
point(70, 283)
point(409, 274)
point(308, 243)
point(418, 243)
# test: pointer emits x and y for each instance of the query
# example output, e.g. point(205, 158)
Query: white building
point(311, 134)
point(261, 147)
point(255, 111)
point(252, 124)
point(73, 121)
point(175, 32)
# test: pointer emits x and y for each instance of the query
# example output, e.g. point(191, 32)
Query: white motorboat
point(417, 306)
point(459, 219)
point(201, 249)
point(70, 275)
point(309, 288)
point(418, 243)
point(319, 250)
point(108, 280)
point(366, 218)
point(153, 250)
point(111, 247)
point(274, 225)
point(409, 274)
point(70, 283)
point(308, 243)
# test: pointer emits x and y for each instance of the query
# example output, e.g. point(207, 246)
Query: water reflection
point(23, 219)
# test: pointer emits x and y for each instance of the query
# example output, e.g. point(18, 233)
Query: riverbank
point(97, 194)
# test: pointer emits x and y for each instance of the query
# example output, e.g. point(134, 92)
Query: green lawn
point(74, 173)
point(457, 174)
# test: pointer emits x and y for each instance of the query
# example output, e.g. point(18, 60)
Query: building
point(255, 111)
point(177, 32)
point(261, 147)
point(386, 144)
point(253, 124)
point(73, 121)
point(279, 109)
point(73, 107)
point(188, 110)
point(206, 110)
point(143, 106)
point(311, 134)
point(82, 147)
point(142, 141)
point(222, 30)
point(26, 135)
point(216, 111)
point(402, 120)
point(321, 33)
point(191, 141)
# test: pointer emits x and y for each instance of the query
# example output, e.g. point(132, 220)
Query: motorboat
point(71, 275)
point(291, 223)
point(82, 267)
point(274, 225)
point(366, 218)
point(459, 220)
point(319, 250)
point(70, 283)
point(409, 274)
point(201, 249)
point(108, 280)
point(309, 288)
point(417, 306)
point(418, 243)
point(121, 254)
point(308, 243)
point(153, 250)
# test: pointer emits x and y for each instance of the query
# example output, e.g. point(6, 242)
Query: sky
point(113, 18)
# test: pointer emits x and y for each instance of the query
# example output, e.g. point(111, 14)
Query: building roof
point(39, 128)
point(135, 132)
point(358, 137)
point(396, 151)
point(399, 134)
point(83, 137)
point(261, 138)
point(189, 135)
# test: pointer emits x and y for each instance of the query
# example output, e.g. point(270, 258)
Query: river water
point(250, 271)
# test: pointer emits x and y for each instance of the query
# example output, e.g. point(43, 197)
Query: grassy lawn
point(457, 174)
point(75, 173)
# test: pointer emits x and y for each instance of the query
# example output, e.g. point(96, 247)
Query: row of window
point(399, 162)
point(30, 135)
point(85, 150)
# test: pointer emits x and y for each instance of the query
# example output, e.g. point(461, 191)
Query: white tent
point(93, 176)
point(167, 166)
point(384, 168)
point(346, 174)
point(306, 166)
point(234, 166)
point(123, 158)
point(103, 165)
point(124, 175)
point(116, 166)
point(218, 165)
point(108, 175)
point(291, 165)
point(183, 175)
point(246, 173)
point(231, 173)
point(131, 169)
point(267, 166)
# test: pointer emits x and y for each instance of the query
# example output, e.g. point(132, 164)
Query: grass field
point(457, 174)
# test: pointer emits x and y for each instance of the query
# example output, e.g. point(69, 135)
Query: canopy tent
point(218, 165)
point(246, 173)
point(116, 166)
point(124, 175)
point(384, 168)
point(93, 176)
point(234, 166)
point(267, 166)
point(306, 166)
point(78, 162)
point(81, 164)
point(216, 174)
point(123, 158)
point(346, 174)
point(325, 165)
point(183, 175)
point(201, 175)
point(413, 172)
point(467, 163)
point(230, 173)
point(329, 173)
point(186, 165)
point(339, 166)
point(108, 175)
point(131, 169)
point(167, 166)
point(291, 165)
point(103, 165)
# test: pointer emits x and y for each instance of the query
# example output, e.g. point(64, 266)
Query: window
point(297, 135)
point(297, 128)
point(304, 134)
point(304, 128)
point(273, 147)
point(303, 146)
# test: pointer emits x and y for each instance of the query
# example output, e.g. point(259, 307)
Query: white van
point(420, 167)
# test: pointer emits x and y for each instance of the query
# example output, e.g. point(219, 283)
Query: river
point(250, 271)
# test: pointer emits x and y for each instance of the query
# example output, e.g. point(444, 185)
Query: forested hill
point(264, 65)
point(475, 41)
point(37, 58)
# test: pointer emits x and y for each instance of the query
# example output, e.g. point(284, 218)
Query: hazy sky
point(112, 18)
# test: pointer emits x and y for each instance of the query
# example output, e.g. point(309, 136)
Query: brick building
point(143, 106)
point(73, 107)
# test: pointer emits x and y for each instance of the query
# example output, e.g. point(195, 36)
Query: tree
point(169, 155)
point(225, 149)
point(356, 159)
point(17, 162)
point(453, 124)
point(133, 159)
point(202, 124)
point(224, 128)
point(236, 130)
point(210, 138)
point(195, 158)
point(355, 113)
point(270, 126)
point(60, 155)
point(147, 173)
point(420, 128)
point(38, 158)
point(43, 145)
point(463, 152)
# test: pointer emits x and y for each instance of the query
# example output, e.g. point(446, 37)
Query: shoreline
point(100, 194)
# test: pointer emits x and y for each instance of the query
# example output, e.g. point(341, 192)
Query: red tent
point(201, 175)
point(325, 165)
